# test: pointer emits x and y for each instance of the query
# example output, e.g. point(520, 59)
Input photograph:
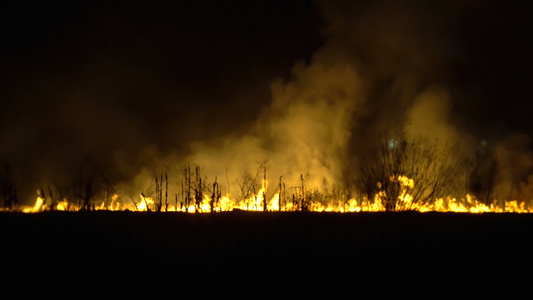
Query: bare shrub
point(402, 174)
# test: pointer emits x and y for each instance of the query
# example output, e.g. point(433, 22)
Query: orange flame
point(258, 202)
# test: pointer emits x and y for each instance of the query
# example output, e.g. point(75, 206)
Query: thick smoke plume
point(378, 71)
point(305, 130)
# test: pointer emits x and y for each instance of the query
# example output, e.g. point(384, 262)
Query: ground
point(284, 246)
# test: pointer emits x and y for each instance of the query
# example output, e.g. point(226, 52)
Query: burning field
point(376, 116)
point(212, 201)
point(274, 134)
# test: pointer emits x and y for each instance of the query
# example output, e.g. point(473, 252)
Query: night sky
point(130, 84)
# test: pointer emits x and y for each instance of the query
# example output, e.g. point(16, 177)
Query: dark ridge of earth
point(282, 243)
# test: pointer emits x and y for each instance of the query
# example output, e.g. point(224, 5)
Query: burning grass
point(258, 201)
point(401, 174)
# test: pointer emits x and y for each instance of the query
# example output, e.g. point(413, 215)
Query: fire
point(226, 204)
point(255, 201)
point(113, 206)
point(204, 206)
point(274, 203)
point(145, 203)
point(38, 203)
point(62, 205)
point(38, 206)
point(260, 201)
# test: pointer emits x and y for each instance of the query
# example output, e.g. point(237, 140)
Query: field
point(246, 243)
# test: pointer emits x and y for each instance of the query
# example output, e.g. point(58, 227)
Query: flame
point(113, 206)
point(204, 205)
point(257, 202)
point(38, 204)
point(274, 203)
point(145, 203)
point(62, 205)
point(226, 204)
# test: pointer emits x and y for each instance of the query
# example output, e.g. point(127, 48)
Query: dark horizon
point(130, 86)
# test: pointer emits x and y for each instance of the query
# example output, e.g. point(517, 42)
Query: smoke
point(385, 67)
point(304, 131)
point(377, 69)
point(516, 167)
point(141, 104)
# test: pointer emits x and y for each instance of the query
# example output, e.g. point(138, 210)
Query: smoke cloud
point(305, 129)
point(377, 69)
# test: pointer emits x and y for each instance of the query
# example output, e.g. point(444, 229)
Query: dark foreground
point(250, 243)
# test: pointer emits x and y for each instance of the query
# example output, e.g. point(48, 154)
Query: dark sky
point(124, 81)
point(497, 41)
point(154, 61)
